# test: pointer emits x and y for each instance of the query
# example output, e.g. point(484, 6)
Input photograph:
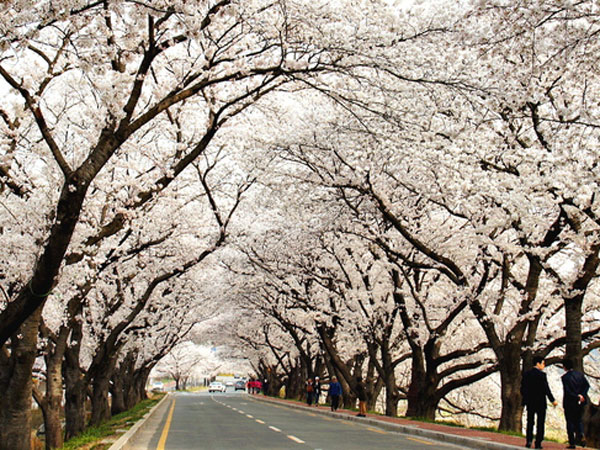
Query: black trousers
point(335, 402)
point(536, 416)
point(573, 414)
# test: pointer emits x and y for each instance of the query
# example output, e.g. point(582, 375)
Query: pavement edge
point(464, 441)
point(123, 441)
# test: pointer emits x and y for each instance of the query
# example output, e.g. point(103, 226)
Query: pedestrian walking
point(335, 392)
point(310, 391)
point(534, 390)
point(361, 393)
point(575, 388)
point(317, 386)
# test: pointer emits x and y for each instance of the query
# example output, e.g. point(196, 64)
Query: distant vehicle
point(157, 386)
point(240, 385)
point(216, 386)
point(229, 383)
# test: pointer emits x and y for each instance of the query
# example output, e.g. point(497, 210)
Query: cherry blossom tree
point(96, 81)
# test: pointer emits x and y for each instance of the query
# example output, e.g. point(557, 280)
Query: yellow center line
point(165, 433)
point(420, 441)
point(376, 430)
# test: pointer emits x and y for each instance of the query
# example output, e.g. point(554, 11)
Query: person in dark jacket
point(335, 392)
point(310, 392)
point(534, 390)
point(575, 398)
point(361, 393)
point(317, 387)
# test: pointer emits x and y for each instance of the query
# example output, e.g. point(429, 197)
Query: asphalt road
point(224, 421)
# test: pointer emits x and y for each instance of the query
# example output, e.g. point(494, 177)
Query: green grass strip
point(91, 437)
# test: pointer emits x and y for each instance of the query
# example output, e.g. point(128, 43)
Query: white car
point(216, 386)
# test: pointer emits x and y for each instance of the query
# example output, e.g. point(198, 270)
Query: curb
point(463, 441)
point(123, 442)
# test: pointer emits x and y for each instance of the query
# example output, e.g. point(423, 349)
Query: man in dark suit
point(534, 390)
point(574, 400)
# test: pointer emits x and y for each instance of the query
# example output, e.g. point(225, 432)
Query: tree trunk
point(573, 315)
point(33, 295)
point(16, 384)
point(388, 375)
point(75, 385)
point(591, 419)
point(349, 397)
point(117, 391)
point(75, 397)
point(423, 397)
point(294, 385)
point(573, 347)
point(391, 396)
point(373, 385)
point(100, 403)
point(137, 388)
point(512, 410)
point(123, 385)
point(425, 406)
point(53, 404)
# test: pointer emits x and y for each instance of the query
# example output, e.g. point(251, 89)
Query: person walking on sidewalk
point(361, 393)
point(317, 387)
point(575, 397)
point(335, 392)
point(534, 390)
point(310, 392)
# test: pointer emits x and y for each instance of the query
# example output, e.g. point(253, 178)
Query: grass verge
point(97, 438)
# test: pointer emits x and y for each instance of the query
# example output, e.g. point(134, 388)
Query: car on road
point(216, 386)
point(157, 386)
point(240, 385)
point(229, 383)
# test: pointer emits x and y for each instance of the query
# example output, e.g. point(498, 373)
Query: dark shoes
point(571, 446)
point(528, 444)
point(361, 415)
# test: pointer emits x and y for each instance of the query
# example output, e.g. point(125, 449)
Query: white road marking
point(260, 421)
point(249, 416)
point(295, 439)
point(275, 429)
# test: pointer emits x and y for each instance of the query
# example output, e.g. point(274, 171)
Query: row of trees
point(458, 230)
point(118, 184)
point(418, 194)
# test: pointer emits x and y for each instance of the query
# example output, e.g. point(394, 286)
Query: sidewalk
point(465, 437)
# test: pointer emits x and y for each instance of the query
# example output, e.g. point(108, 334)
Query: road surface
point(234, 421)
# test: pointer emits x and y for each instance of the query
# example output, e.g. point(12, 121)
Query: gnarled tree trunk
point(16, 385)
point(75, 386)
